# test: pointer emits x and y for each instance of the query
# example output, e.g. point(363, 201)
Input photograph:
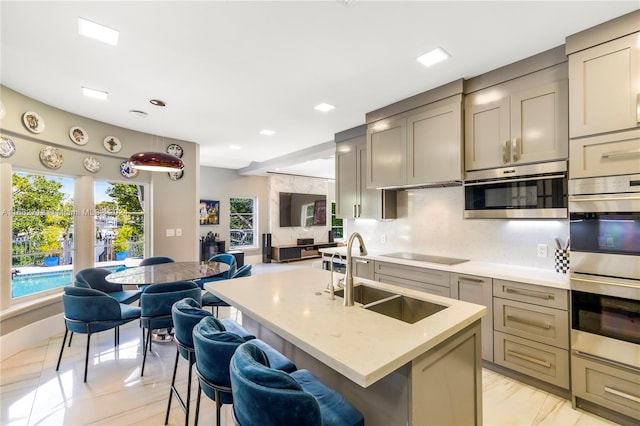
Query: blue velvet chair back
point(230, 260)
point(155, 260)
point(157, 300)
point(214, 348)
point(186, 314)
point(268, 397)
point(243, 271)
point(95, 278)
point(87, 305)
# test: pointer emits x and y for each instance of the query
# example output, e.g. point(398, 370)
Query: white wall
point(431, 222)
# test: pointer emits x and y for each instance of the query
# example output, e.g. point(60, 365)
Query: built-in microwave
point(533, 191)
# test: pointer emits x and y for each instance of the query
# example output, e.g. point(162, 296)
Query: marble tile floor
point(33, 393)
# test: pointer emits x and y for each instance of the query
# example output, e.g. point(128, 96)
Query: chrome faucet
point(348, 291)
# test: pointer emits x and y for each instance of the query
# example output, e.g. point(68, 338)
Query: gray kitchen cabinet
point(531, 330)
point(363, 268)
point(518, 122)
point(605, 155)
point(353, 198)
point(478, 290)
point(418, 141)
point(605, 87)
point(615, 387)
point(423, 279)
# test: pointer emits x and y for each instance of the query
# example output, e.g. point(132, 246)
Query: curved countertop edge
point(274, 301)
point(525, 274)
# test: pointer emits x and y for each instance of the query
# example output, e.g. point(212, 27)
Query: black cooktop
point(426, 258)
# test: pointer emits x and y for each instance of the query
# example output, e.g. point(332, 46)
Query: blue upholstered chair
point(214, 347)
point(95, 278)
point(186, 314)
point(156, 302)
point(243, 271)
point(89, 311)
point(153, 260)
point(209, 299)
point(265, 396)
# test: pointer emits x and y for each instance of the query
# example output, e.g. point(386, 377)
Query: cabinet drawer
point(363, 268)
point(543, 362)
point(431, 276)
point(414, 285)
point(545, 325)
point(613, 387)
point(606, 155)
point(531, 293)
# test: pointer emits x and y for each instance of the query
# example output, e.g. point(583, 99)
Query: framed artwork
point(209, 212)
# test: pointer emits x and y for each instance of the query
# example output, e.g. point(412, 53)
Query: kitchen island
point(396, 373)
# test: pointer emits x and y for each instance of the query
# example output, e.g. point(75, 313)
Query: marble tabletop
point(163, 273)
point(362, 345)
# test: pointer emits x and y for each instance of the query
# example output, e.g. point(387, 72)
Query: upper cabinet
point(604, 75)
point(418, 141)
point(353, 198)
point(521, 121)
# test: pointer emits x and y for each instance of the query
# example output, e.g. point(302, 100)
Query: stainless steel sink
point(403, 308)
point(364, 295)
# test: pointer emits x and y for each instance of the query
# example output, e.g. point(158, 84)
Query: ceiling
point(229, 69)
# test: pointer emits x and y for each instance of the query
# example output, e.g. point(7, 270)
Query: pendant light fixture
point(156, 161)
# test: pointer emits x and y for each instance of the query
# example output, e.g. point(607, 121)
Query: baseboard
point(30, 336)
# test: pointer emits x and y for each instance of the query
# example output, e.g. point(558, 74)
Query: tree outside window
point(336, 223)
point(242, 222)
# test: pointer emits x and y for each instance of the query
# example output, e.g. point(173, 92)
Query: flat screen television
point(302, 209)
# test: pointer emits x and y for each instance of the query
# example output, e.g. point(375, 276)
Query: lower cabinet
point(478, 290)
point(363, 268)
point(531, 330)
point(423, 279)
point(611, 386)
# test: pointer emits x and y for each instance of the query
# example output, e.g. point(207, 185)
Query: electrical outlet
point(542, 250)
point(383, 238)
point(178, 232)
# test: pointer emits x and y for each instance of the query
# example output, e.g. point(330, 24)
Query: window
point(242, 222)
point(42, 222)
point(336, 223)
point(119, 221)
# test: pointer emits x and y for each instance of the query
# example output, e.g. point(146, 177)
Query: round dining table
point(163, 273)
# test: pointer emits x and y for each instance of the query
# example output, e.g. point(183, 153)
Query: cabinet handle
point(355, 210)
point(506, 152)
point(544, 296)
point(515, 149)
point(616, 154)
point(529, 358)
point(622, 394)
point(529, 322)
point(362, 261)
point(471, 280)
point(638, 108)
point(359, 209)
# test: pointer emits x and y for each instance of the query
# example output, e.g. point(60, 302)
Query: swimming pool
point(26, 284)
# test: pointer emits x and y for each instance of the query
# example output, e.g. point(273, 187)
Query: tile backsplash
point(430, 221)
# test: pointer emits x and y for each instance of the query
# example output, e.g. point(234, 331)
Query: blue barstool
point(265, 396)
point(186, 314)
point(214, 347)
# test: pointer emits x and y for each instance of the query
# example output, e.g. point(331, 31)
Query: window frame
point(254, 229)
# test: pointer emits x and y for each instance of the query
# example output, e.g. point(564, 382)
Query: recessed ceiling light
point(98, 32)
point(433, 57)
point(324, 107)
point(157, 102)
point(138, 114)
point(235, 147)
point(267, 132)
point(96, 94)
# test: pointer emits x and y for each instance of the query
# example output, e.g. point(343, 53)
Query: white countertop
point(538, 276)
point(362, 345)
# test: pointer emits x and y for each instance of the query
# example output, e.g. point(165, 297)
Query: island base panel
point(442, 386)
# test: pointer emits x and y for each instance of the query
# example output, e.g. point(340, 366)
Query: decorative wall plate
point(92, 164)
point(112, 144)
point(51, 157)
point(7, 147)
point(175, 150)
point(33, 122)
point(176, 175)
point(127, 171)
point(78, 135)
